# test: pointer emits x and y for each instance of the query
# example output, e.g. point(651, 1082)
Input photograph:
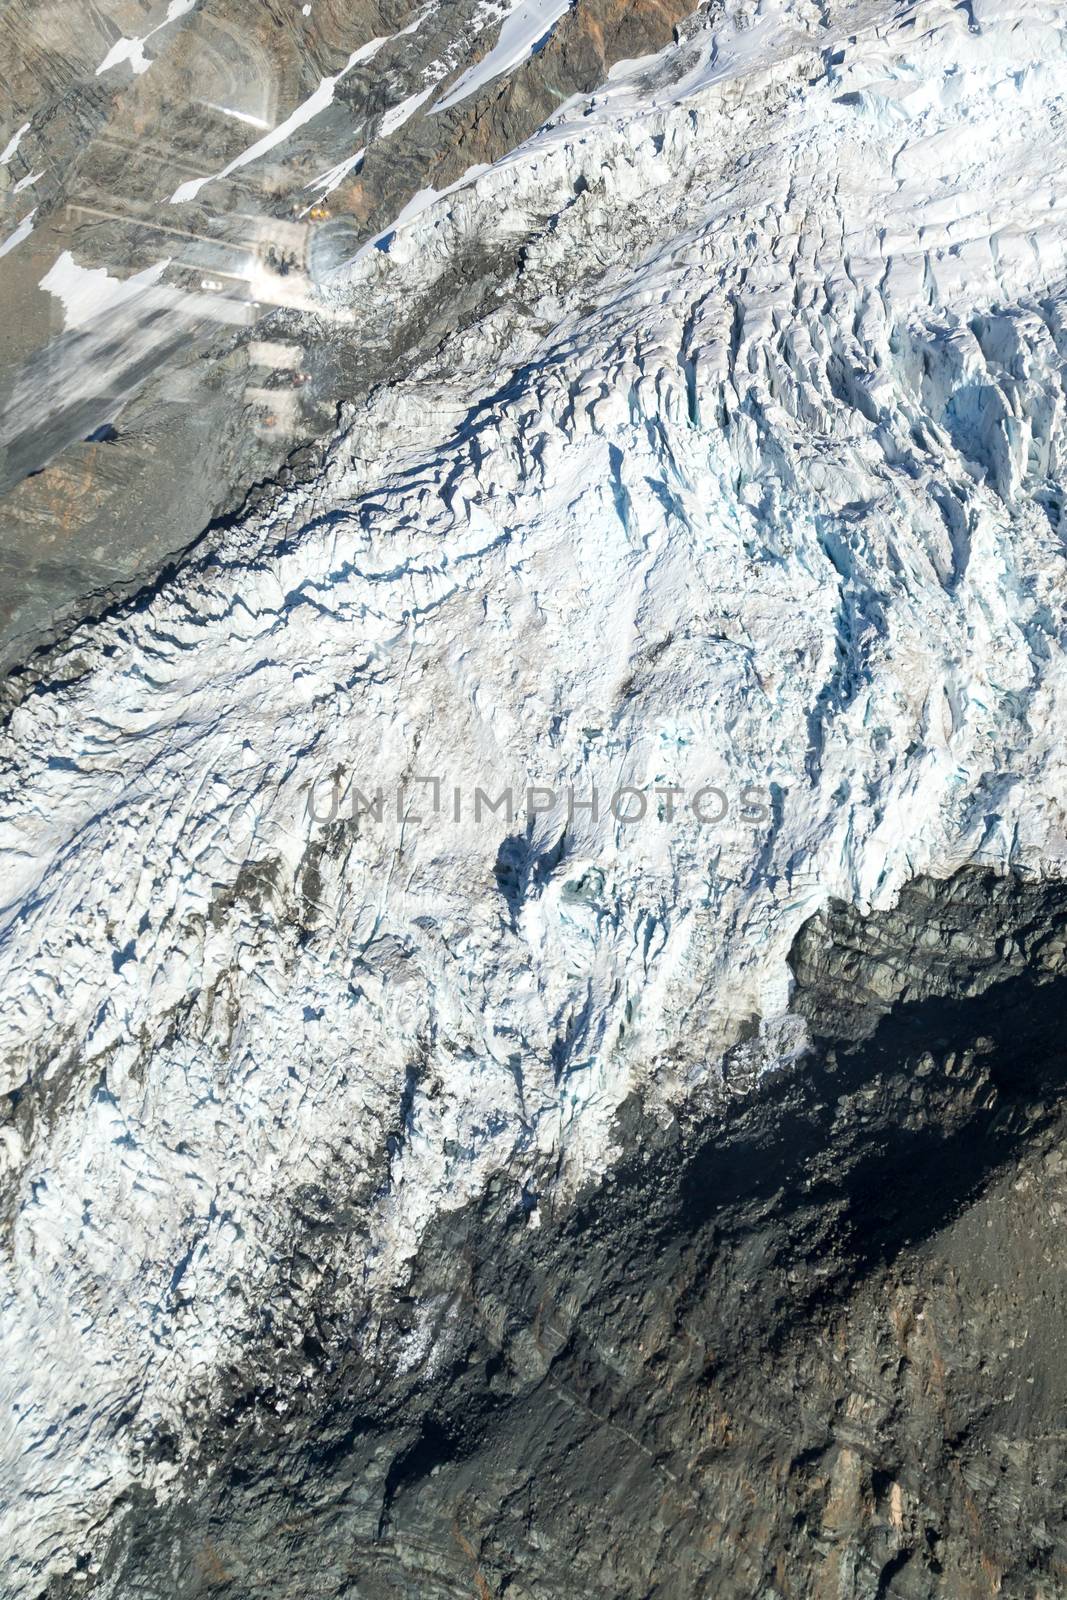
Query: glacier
point(752, 479)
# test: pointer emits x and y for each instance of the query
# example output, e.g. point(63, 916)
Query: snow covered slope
point(753, 482)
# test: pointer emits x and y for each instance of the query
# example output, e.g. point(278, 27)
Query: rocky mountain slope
point(419, 1176)
point(159, 358)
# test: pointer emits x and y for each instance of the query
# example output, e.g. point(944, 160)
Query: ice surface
point(753, 478)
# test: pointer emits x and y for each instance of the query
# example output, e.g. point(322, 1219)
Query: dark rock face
point(809, 1346)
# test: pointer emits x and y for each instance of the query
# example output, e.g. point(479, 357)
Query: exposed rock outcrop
point(810, 1345)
